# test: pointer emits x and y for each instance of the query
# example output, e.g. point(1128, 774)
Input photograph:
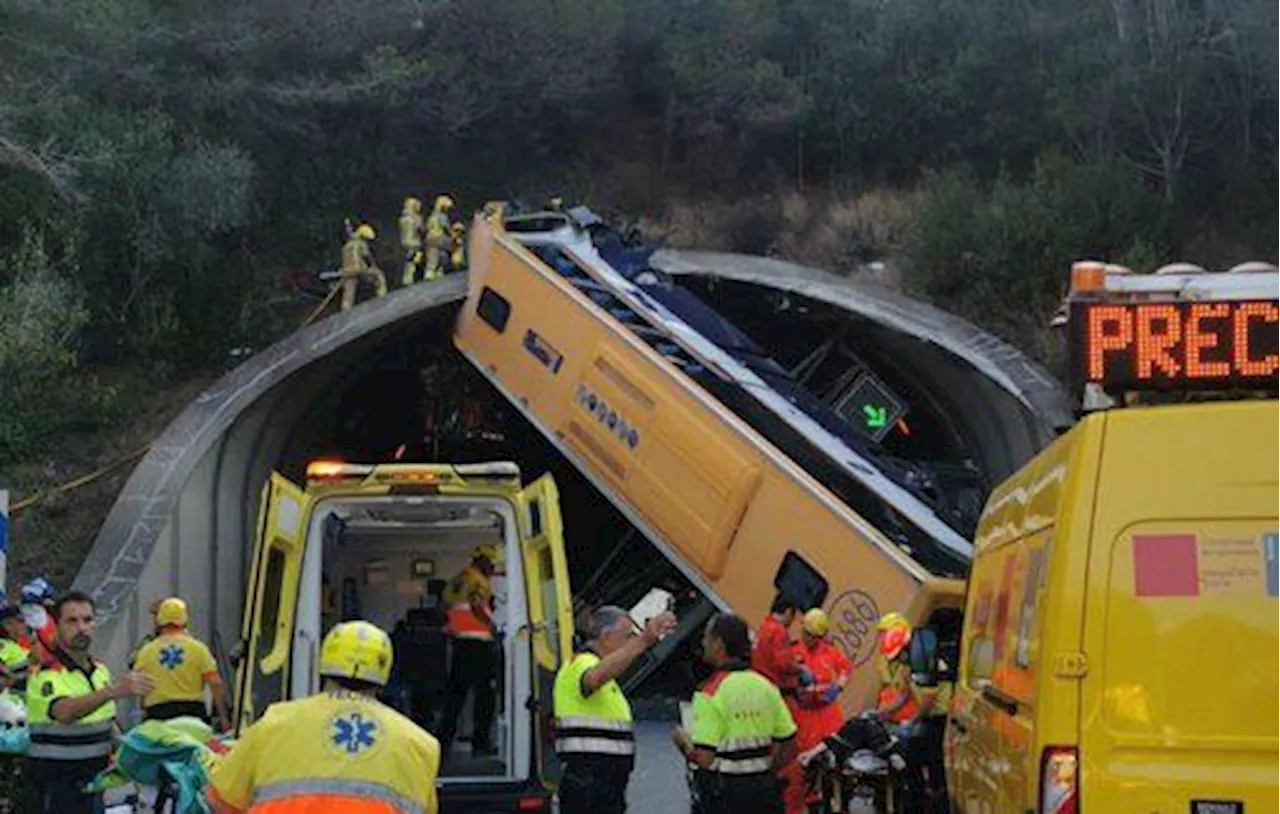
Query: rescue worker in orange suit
point(411, 232)
point(338, 750)
point(897, 701)
point(817, 709)
point(181, 666)
point(469, 625)
point(773, 656)
point(358, 264)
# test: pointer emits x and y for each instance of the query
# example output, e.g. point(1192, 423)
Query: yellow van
point(378, 542)
point(1119, 645)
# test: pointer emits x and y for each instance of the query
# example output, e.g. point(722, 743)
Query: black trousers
point(595, 785)
point(715, 793)
point(474, 669)
point(61, 784)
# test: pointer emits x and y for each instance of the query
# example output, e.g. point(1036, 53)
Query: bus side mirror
point(922, 657)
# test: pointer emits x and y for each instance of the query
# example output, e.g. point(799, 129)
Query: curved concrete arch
point(183, 522)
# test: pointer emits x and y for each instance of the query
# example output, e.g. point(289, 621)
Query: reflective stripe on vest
point(585, 735)
point(55, 741)
point(743, 756)
point(336, 787)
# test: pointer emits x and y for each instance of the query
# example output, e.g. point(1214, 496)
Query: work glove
point(806, 677)
point(830, 694)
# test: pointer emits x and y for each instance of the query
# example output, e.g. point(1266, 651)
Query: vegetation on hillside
point(163, 164)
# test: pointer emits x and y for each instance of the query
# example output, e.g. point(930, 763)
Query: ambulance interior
point(387, 560)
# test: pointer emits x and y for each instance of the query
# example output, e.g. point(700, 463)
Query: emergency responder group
point(765, 703)
point(431, 244)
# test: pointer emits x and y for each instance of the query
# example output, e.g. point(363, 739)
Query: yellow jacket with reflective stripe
point(16, 659)
point(739, 714)
point(85, 739)
point(356, 256)
point(411, 230)
point(330, 752)
point(595, 724)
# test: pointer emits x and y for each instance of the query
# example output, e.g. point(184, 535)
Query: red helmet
point(893, 641)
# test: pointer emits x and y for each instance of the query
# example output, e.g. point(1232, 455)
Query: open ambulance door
point(266, 633)
point(550, 611)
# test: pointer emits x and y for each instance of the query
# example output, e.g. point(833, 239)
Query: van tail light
point(1059, 781)
point(533, 804)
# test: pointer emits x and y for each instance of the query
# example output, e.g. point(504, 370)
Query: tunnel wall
point(184, 521)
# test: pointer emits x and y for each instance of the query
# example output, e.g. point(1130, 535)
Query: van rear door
point(1179, 704)
point(271, 598)
point(550, 609)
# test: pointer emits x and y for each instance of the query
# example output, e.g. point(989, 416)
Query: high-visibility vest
point(597, 724)
point(411, 231)
point(16, 660)
point(462, 621)
point(87, 738)
point(355, 256)
point(740, 714)
point(895, 684)
point(437, 225)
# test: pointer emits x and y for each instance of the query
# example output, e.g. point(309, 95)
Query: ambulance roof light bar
point(1091, 279)
point(328, 468)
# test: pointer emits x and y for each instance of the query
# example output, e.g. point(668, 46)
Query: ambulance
point(1119, 638)
point(378, 542)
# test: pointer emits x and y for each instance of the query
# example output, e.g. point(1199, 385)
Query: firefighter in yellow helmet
point(358, 264)
point(470, 626)
point(181, 667)
point(338, 750)
point(457, 247)
point(437, 235)
point(411, 232)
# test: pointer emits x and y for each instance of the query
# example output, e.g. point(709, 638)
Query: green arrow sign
point(877, 417)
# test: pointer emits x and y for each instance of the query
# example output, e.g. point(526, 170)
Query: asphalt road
point(658, 783)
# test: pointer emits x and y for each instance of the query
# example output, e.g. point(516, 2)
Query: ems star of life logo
point(354, 734)
point(171, 657)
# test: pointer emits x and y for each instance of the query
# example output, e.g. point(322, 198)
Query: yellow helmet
point(893, 620)
point(172, 611)
point(444, 202)
point(365, 232)
point(815, 622)
point(412, 205)
point(357, 650)
point(488, 552)
point(457, 227)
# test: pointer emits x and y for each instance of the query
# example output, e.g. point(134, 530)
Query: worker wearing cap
point(817, 706)
point(742, 731)
point(181, 667)
point(472, 634)
point(338, 750)
point(594, 735)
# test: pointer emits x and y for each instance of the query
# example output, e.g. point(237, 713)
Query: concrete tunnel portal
point(361, 384)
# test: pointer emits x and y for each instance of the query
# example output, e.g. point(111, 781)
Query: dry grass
point(844, 235)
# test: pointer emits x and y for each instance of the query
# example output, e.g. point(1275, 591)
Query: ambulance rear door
point(262, 675)
point(550, 610)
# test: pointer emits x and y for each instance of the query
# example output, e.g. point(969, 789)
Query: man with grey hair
point(594, 735)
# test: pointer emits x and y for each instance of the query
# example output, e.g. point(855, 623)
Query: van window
point(272, 584)
point(979, 662)
point(1028, 634)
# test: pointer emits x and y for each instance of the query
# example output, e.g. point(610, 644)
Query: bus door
point(271, 599)
point(550, 610)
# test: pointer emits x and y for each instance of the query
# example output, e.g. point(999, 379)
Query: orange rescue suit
point(816, 717)
point(773, 655)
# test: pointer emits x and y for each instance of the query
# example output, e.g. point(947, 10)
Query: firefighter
point(358, 264)
point(470, 627)
point(457, 247)
point(437, 235)
point(411, 229)
point(742, 731)
point(773, 656)
point(181, 666)
point(594, 737)
point(897, 700)
point(817, 709)
point(71, 711)
point(338, 750)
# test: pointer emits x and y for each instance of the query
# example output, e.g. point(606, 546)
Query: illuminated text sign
point(1176, 346)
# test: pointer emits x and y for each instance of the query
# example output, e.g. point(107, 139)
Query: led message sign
point(1176, 345)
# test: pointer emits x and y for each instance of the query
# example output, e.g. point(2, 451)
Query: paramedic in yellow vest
point(71, 711)
point(15, 649)
point(181, 667)
point(469, 625)
point(457, 247)
point(411, 227)
point(437, 235)
point(742, 730)
point(358, 264)
point(340, 750)
point(898, 700)
point(594, 736)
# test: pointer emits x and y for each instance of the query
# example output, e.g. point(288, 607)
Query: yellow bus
point(655, 419)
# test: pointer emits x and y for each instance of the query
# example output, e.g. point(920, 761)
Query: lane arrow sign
point(877, 417)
